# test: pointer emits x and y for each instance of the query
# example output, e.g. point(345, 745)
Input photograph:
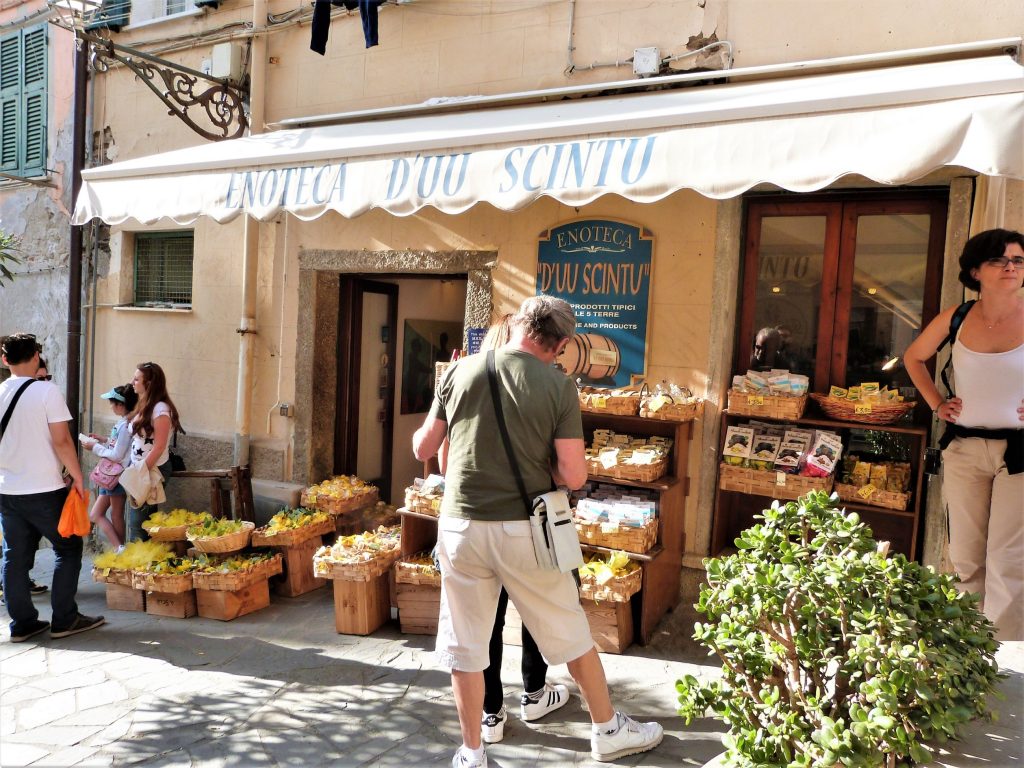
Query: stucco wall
point(36, 300)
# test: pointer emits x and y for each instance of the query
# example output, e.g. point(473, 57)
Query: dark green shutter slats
point(23, 96)
point(10, 96)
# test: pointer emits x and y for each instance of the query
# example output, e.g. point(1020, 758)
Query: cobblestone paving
point(280, 688)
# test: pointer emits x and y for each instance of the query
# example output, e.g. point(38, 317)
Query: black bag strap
point(492, 378)
point(10, 409)
point(954, 326)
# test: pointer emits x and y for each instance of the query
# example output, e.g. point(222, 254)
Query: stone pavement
point(280, 687)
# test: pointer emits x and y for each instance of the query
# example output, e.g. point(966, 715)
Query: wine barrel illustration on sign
point(591, 356)
point(603, 269)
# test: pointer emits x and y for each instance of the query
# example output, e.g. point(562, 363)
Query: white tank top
point(991, 386)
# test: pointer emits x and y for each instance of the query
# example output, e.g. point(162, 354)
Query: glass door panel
point(787, 296)
point(887, 296)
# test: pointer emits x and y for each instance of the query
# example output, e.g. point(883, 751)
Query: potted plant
point(835, 653)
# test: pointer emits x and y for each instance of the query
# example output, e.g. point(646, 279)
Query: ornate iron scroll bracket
point(185, 91)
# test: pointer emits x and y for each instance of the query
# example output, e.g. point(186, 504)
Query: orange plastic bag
point(74, 518)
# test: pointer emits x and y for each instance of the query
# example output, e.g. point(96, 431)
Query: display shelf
point(734, 511)
point(646, 557)
point(661, 566)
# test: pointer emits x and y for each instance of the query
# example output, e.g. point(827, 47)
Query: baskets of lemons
point(168, 576)
point(116, 567)
point(293, 526)
point(230, 574)
point(173, 525)
point(418, 569)
point(220, 536)
point(359, 558)
point(613, 577)
point(341, 494)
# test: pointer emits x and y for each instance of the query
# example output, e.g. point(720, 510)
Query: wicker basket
point(868, 494)
point(112, 576)
point(292, 536)
point(640, 473)
point(235, 580)
point(637, 540)
point(341, 506)
point(425, 504)
point(231, 542)
point(326, 568)
point(768, 406)
point(671, 411)
point(776, 485)
point(169, 583)
point(864, 413)
point(168, 533)
point(599, 401)
point(413, 573)
point(617, 590)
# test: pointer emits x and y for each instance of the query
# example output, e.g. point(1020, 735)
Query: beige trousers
point(985, 506)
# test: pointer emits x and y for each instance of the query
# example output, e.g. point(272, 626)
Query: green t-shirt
point(540, 405)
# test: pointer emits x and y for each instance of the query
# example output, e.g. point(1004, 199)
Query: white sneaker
point(492, 727)
point(464, 759)
point(547, 700)
point(630, 738)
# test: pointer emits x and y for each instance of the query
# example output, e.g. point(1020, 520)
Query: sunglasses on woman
point(47, 377)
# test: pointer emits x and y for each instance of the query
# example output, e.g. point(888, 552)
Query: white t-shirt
point(28, 463)
point(142, 446)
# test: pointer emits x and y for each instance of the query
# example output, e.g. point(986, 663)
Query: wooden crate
point(226, 605)
point(122, 598)
point(611, 624)
point(179, 605)
point(298, 569)
point(418, 608)
point(361, 607)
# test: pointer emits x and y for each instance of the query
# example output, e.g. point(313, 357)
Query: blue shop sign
point(602, 268)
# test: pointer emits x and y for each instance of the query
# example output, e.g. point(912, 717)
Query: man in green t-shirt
point(484, 535)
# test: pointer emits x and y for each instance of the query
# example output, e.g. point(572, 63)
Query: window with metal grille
point(163, 269)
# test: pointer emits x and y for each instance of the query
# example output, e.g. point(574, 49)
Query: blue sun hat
point(113, 394)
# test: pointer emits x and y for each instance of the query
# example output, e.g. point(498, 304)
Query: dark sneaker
point(37, 589)
point(31, 630)
point(80, 624)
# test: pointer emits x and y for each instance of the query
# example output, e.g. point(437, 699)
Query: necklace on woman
point(993, 324)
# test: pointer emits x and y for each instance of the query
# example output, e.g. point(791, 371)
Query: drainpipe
point(251, 252)
point(72, 377)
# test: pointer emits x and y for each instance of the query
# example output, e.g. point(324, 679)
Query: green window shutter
point(34, 102)
point(10, 99)
point(163, 268)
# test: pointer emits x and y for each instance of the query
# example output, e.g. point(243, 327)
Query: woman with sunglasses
point(153, 421)
point(983, 442)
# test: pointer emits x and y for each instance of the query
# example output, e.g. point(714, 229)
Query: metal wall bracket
point(187, 93)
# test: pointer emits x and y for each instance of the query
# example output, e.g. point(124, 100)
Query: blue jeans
point(25, 520)
point(134, 517)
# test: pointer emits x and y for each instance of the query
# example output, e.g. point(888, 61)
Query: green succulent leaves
point(833, 651)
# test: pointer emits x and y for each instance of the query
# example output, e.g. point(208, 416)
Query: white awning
point(890, 125)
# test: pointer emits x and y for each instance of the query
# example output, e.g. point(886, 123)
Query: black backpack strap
point(10, 409)
point(492, 378)
point(954, 326)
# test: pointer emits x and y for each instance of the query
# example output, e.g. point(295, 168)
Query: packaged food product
point(738, 441)
point(762, 455)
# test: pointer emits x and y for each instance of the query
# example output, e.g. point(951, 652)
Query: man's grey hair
point(546, 320)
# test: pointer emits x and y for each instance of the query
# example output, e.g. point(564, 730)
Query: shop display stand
point(735, 510)
point(662, 565)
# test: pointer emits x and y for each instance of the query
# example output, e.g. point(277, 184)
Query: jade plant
point(833, 652)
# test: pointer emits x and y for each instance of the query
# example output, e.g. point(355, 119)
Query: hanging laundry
point(321, 27)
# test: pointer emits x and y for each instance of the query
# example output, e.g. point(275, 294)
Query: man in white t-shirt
point(35, 444)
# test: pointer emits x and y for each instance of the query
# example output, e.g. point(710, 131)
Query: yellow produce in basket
point(290, 519)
